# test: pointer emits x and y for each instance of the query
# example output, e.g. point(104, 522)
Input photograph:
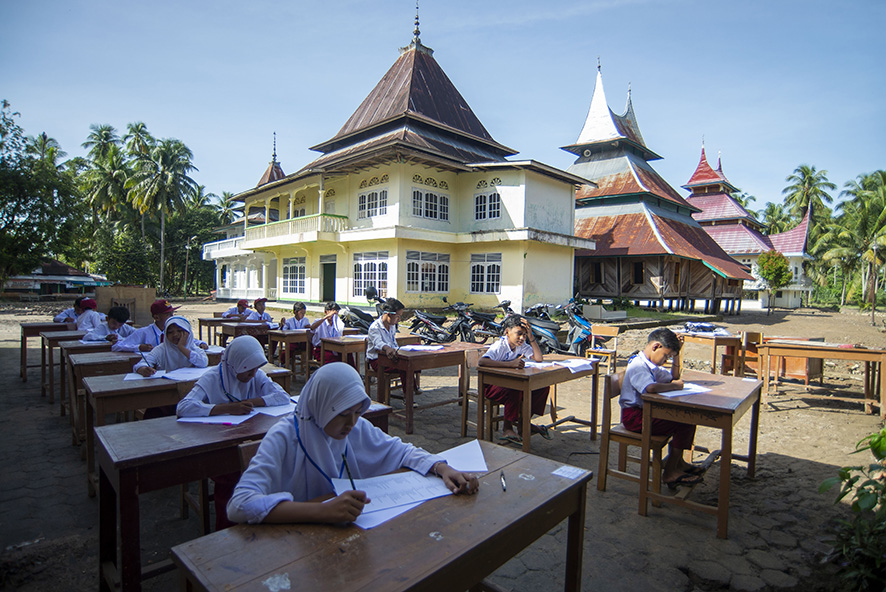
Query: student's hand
point(391, 353)
point(146, 371)
point(256, 402)
point(112, 337)
point(680, 337)
point(183, 348)
point(241, 408)
point(456, 481)
point(677, 384)
point(519, 363)
point(145, 347)
point(345, 507)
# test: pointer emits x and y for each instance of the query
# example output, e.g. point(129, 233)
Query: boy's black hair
point(78, 300)
point(512, 321)
point(332, 305)
point(119, 314)
point(667, 338)
point(392, 306)
point(299, 306)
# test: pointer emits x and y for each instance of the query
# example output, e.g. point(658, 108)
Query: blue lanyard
point(224, 390)
point(311, 460)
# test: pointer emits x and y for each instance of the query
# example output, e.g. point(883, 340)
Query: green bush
point(860, 543)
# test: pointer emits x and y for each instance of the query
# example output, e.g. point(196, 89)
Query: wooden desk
point(715, 341)
point(212, 323)
point(112, 394)
point(278, 336)
point(258, 329)
point(528, 380)
point(83, 365)
point(410, 362)
point(471, 536)
point(873, 359)
point(350, 344)
point(34, 330)
point(721, 408)
point(66, 348)
point(50, 340)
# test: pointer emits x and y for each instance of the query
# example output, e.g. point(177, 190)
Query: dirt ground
point(778, 521)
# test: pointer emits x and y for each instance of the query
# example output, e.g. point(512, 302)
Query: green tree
point(99, 141)
point(775, 271)
point(45, 148)
point(808, 188)
point(228, 208)
point(138, 140)
point(105, 181)
point(776, 218)
point(161, 183)
point(123, 256)
point(38, 203)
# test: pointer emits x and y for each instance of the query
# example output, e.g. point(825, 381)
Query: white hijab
point(243, 354)
point(167, 355)
point(331, 390)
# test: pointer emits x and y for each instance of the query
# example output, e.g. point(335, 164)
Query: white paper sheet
point(277, 410)
point(530, 364)
point(356, 337)
point(688, 389)
point(218, 419)
point(467, 458)
point(368, 520)
point(185, 374)
point(377, 407)
point(421, 347)
point(134, 376)
point(397, 489)
point(577, 365)
point(214, 349)
point(568, 472)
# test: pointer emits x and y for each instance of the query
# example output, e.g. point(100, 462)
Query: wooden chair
point(748, 354)
point(624, 438)
point(608, 355)
point(472, 358)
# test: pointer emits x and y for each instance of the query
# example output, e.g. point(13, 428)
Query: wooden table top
point(106, 386)
point(532, 371)
point(453, 539)
point(728, 394)
point(55, 337)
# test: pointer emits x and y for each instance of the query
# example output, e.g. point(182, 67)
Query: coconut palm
point(228, 207)
point(776, 217)
point(46, 148)
point(161, 183)
point(200, 199)
point(138, 140)
point(105, 181)
point(808, 188)
point(100, 139)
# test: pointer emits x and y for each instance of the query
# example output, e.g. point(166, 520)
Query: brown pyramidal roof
point(417, 88)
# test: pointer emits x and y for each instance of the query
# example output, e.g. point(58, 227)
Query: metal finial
point(629, 89)
point(416, 32)
point(702, 141)
point(274, 156)
point(598, 63)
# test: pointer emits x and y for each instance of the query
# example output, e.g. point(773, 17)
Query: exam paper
point(467, 458)
point(397, 489)
point(688, 389)
point(577, 365)
point(185, 374)
point(218, 419)
point(356, 337)
point(134, 376)
point(529, 364)
point(420, 347)
point(214, 349)
point(276, 410)
point(368, 520)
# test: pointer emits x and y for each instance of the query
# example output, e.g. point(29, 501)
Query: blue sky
point(770, 84)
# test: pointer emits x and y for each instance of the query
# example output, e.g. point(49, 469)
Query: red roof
point(792, 241)
point(274, 172)
point(623, 174)
point(739, 239)
point(640, 234)
point(718, 206)
point(704, 174)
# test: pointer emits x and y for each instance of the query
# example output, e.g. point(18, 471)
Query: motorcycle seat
point(543, 324)
point(484, 316)
point(438, 319)
point(363, 315)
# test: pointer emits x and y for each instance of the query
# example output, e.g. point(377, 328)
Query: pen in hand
point(504, 484)
point(145, 360)
point(348, 471)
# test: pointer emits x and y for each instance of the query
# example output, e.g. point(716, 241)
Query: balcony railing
point(295, 226)
point(223, 245)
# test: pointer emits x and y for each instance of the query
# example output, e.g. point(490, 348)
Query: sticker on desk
point(569, 472)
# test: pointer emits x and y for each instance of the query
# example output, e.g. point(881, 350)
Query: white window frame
point(485, 273)
point(294, 275)
point(371, 269)
point(487, 206)
point(427, 272)
point(371, 204)
point(432, 205)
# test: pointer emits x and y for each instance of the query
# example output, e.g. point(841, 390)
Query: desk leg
point(526, 405)
point(51, 370)
point(752, 440)
point(725, 473)
point(42, 367)
point(765, 362)
point(306, 360)
point(63, 387)
point(107, 534)
point(868, 405)
point(24, 346)
point(646, 440)
point(484, 432)
point(713, 357)
point(575, 542)
point(130, 534)
point(594, 394)
point(90, 452)
point(408, 397)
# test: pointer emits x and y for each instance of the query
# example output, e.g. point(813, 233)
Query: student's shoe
point(684, 479)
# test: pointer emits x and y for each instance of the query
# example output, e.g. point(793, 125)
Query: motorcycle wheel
point(582, 349)
point(478, 338)
point(468, 336)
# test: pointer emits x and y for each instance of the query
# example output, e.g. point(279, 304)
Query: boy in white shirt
point(88, 320)
point(517, 344)
point(329, 325)
point(114, 328)
point(297, 321)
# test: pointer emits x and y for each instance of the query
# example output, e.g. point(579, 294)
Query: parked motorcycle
point(431, 329)
point(484, 325)
point(578, 339)
point(358, 319)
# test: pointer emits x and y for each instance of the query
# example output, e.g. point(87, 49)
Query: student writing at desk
point(69, 315)
point(382, 338)
point(234, 387)
point(297, 321)
point(113, 328)
point(291, 472)
point(644, 374)
point(147, 338)
point(330, 326)
point(511, 351)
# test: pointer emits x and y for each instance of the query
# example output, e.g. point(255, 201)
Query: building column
point(291, 199)
point(218, 283)
point(264, 279)
point(267, 210)
point(322, 191)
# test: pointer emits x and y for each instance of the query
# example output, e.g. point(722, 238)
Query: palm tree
point(161, 182)
point(46, 148)
point(227, 207)
point(200, 199)
point(105, 181)
point(808, 189)
point(100, 140)
point(138, 140)
point(776, 218)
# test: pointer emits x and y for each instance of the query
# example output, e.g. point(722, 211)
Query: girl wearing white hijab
point(236, 385)
point(178, 350)
point(291, 473)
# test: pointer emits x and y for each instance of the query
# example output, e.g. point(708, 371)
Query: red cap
point(162, 306)
point(257, 300)
point(243, 302)
point(88, 303)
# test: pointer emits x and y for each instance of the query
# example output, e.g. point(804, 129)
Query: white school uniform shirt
point(68, 313)
point(501, 351)
point(324, 329)
point(297, 459)
point(167, 356)
point(380, 337)
point(233, 312)
point(88, 321)
point(254, 316)
point(292, 324)
point(149, 335)
point(639, 374)
point(101, 332)
point(220, 385)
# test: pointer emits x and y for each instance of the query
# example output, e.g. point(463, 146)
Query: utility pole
point(187, 252)
point(874, 274)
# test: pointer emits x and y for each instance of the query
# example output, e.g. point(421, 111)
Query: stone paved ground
point(48, 525)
